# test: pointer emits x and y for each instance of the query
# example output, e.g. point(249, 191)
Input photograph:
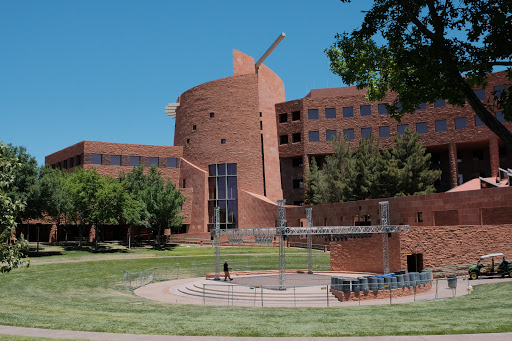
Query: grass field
point(89, 296)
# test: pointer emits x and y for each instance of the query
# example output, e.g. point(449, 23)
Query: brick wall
point(256, 210)
point(270, 92)
point(450, 245)
point(234, 103)
point(196, 191)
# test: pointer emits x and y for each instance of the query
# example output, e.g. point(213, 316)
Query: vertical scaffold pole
point(281, 216)
point(384, 221)
point(216, 242)
point(309, 217)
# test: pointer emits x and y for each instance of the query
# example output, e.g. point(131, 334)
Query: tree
point(161, 202)
point(408, 171)
point(24, 185)
point(370, 173)
point(11, 249)
point(432, 49)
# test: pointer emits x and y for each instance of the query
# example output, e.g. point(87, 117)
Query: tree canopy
point(369, 173)
point(11, 249)
point(431, 50)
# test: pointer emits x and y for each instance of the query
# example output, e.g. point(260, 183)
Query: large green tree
point(370, 173)
point(161, 200)
point(431, 49)
point(11, 249)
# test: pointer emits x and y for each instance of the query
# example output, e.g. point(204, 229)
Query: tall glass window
point(222, 192)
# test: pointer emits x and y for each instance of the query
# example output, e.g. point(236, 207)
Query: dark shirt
point(226, 268)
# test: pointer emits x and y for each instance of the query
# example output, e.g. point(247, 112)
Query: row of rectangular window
point(283, 118)
point(385, 131)
point(69, 163)
point(115, 160)
point(365, 110)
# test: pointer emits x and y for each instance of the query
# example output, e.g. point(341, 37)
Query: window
point(348, 111)
point(261, 125)
point(53, 166)
point(172, 162)
point(401, 128)
point(194, 127)
point(384, 131)
point(382, 109)
point(480, 93)
point(422, 106)
point(115, 160)
point(71, 162)
point(421, 128)
point(460, 179)
point(460, 123)
point(65, 164)
point(297, 183)
point(296, 116)
point(478, 122)
point(498, 90)
point(184, 183)
point(261, 114)
point(441, 126)
point(312, 114)
point(297, 162)
point(222, 141)
point(419, 217)
point(398, 107)
point(188, 141)
point(222, 193)
point(78, 160)
point(349, 134)
point(212, 115)
point(330, 135)
point(366, 110)
point(330, 112)
point(283, 139)
point(134, 160)
point(366, 132)
point(96, 159)
point(314, 136)
point(295, 137)
point(439, 103)
point(500, 117)
point(283, 118)
point(478, 154)
point(59, 165)
point(153, 161)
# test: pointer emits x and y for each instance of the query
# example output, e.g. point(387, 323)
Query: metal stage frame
point(282, 231)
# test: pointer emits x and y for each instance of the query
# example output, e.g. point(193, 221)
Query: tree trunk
point(80, 232)
point(38, 227)
point(96, 237)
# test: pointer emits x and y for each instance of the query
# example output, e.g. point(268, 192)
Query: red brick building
point(240, 146)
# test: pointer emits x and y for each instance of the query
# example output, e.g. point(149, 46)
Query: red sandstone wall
point(197, 191)
point(375, 120)
point(242, 64)
point(256, 210)
point(270, 92)
point(450, 245)
point(365, 254)
point(234, 102)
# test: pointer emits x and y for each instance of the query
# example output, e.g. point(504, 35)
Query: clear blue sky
point(105, 70)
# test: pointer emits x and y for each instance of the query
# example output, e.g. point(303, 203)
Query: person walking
point(226, 271)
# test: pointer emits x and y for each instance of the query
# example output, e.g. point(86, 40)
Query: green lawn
point(89, 296)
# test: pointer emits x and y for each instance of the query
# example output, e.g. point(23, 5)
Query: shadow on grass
point(33, 253)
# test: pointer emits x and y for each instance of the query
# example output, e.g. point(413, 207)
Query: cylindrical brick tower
point(232, 121)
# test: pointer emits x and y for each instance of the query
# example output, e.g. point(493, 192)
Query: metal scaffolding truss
point(282, 231)
point(314, 230)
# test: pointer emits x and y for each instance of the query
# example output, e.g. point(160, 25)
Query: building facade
point(239, 145)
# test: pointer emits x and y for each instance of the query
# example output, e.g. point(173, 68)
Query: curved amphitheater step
point(251, 293)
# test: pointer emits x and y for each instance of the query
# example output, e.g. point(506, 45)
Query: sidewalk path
point(69, 334)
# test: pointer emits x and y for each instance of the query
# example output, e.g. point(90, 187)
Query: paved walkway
point(69, 334)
